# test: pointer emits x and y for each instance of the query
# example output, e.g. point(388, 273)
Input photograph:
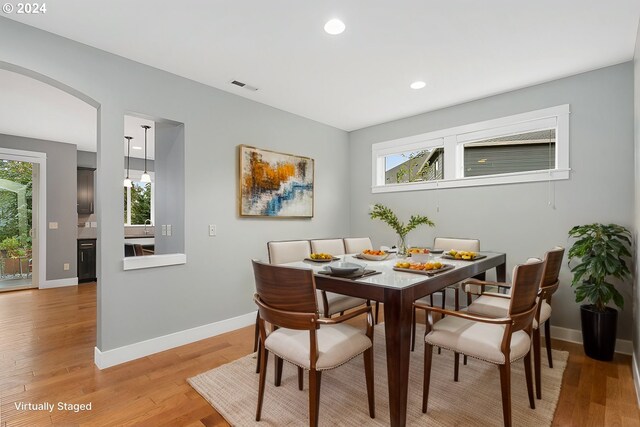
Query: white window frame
point(453, 140)
point(135, 176)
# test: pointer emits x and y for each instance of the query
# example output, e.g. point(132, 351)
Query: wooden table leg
point(501, 272)
point(397, 326)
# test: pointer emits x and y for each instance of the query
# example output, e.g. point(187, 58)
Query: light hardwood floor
point(47, 339)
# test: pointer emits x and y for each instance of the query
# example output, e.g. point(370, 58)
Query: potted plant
point(601, 251)
point(385, 214)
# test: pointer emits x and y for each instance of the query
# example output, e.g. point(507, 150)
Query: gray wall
point(169, 187)
point(516, 218)
point(87, 159)
point(61, 201)
point(216, 283)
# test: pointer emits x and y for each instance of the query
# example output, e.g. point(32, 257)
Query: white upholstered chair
point(286, 298)
point(355, 245)
point(500, 341)
point(328, 246)
point(446, 244)
point(330, 303)
point(496, 305)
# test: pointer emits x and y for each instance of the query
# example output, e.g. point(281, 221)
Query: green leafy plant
point(13, 247)
point(601, 250)
point(385, 214)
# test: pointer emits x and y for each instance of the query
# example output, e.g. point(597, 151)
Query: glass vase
point(402, 246)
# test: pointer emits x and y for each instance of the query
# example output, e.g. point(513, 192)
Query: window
point(138, 201)
point(531, 151)
point(415, 166)
point(526, 147)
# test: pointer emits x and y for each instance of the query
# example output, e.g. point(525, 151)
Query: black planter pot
point(599, 331)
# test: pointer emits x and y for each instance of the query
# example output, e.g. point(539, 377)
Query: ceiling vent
point(244, 85)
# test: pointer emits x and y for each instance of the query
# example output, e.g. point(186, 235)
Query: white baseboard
point(575, 336)
point(116, 356)
point(636, 377)
point(59, 283)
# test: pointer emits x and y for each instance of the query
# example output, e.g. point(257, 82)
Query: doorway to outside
point(18, 221)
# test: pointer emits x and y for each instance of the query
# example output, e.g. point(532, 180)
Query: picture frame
point(272, 184)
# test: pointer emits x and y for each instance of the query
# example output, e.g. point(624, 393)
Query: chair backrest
point(285, 296)
point(553, 263)
point(446, 243)
point(327, 246)
point(355, 245)
point(281, 252)
point(524, 292)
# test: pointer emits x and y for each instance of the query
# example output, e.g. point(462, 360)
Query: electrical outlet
point(168, 229)
point(212, 230)
point(66, 266)
point(53, 225)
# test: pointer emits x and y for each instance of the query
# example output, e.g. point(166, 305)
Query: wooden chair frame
point(303, 316)
point(520, 318)
point(549, 285)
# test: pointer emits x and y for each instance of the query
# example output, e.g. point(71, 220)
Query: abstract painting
point(275, 184)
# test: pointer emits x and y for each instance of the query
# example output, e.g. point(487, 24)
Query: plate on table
point(345, 268)
point(430, 272)
point(462, 255)
point(321, 258)
point(373, 255)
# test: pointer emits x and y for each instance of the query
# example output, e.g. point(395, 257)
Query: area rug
point(473, 401)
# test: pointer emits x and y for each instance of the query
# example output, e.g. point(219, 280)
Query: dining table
point(398, 290)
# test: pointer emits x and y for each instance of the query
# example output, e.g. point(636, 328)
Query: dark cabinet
point(85, 190)
point(86, 260)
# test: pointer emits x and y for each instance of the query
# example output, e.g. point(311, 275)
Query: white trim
point(575, 336)
point(149, 261)
point(59, 283)
point(636, 377)
point(41, 159)
point(116, 356)
point(475, 181)
point(453, 140)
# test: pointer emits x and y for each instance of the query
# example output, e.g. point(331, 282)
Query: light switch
point(168, 229)
point(212, 230)
point(164, 230)
point(53, 226)
point(94, 224)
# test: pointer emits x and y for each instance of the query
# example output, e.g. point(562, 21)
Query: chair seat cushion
point(338, 303)
point(477, 339)
point(491, 306)
point(337, 344)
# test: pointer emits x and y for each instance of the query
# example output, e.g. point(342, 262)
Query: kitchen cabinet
point(85, 190)
point(86, 260)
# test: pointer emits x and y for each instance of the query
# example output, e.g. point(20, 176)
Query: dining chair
point(500, 341)
point(337, 247)
point(330, 303)
point(328, 246)
point(355, 245)
point(496, 305)
point(445, 244)
point(286, 298)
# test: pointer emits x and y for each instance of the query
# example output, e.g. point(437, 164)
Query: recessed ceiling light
point(418, 85)
point(137, 148)
point(334, 27)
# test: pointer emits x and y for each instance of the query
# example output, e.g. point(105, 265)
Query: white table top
point(390, 278)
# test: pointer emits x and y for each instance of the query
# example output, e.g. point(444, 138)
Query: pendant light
point(127, 180)
point(145, 176)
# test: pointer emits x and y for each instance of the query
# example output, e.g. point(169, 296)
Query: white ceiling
point(34, 109)
point(464, 50)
